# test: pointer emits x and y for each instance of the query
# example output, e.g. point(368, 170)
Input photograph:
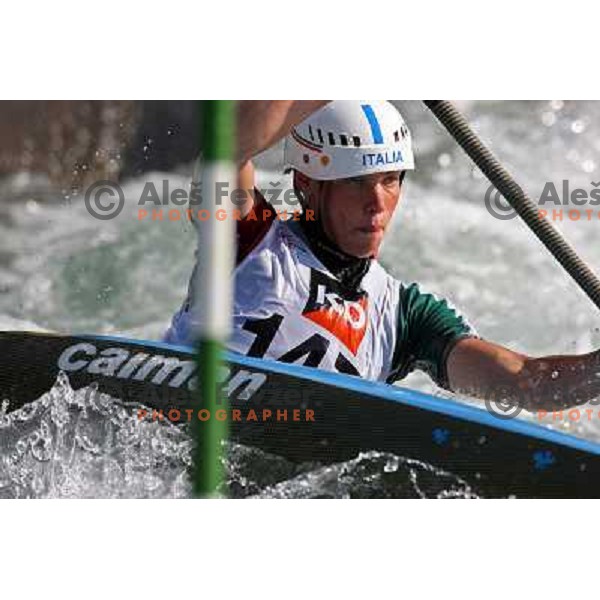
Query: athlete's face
point(356, 212)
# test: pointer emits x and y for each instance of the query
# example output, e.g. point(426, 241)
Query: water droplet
point(391, 466)
point(548, 118)
point(578, 126)
point(41, 444)
point(589, 166)
point(32, 206)
point(556, 104)
point(444, 160)
point(555, 374)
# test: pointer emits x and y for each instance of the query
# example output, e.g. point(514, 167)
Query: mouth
point(370, 229)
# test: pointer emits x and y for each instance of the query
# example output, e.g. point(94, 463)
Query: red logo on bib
point(345, 318)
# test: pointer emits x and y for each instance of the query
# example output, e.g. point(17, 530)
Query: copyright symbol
point(503, 409)
point(100, 200)
point(497, 206)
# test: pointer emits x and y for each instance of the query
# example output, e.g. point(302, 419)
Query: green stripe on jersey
point(428, 327)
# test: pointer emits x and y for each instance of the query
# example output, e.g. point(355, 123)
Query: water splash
point(83, 444)
point(373, 475)
point(86, 444)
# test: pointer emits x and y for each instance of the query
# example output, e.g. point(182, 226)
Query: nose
point(375, 196)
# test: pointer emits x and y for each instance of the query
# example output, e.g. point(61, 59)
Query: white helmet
point(350, 138)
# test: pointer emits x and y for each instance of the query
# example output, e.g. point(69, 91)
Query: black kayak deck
point(328, 417)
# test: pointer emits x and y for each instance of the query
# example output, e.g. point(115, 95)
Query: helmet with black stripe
point(350, 138)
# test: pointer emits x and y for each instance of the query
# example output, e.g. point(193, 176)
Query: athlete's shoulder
point(428, 326)
point(417, 301)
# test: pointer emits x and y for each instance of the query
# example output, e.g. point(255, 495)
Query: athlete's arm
point(246, 183)
point(262, 123)
point(488, 370)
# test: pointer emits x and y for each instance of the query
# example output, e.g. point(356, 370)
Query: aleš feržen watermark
point(555, 202)
point(105, 200)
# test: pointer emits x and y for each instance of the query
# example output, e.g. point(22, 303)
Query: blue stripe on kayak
point(373, 122)
point(385, 391)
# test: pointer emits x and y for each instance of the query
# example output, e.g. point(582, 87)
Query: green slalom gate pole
point(213, 293)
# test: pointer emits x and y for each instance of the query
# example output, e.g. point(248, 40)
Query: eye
point(391, 180)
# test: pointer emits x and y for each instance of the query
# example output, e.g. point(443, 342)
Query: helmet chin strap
point(316, 227)
point(320, 212)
